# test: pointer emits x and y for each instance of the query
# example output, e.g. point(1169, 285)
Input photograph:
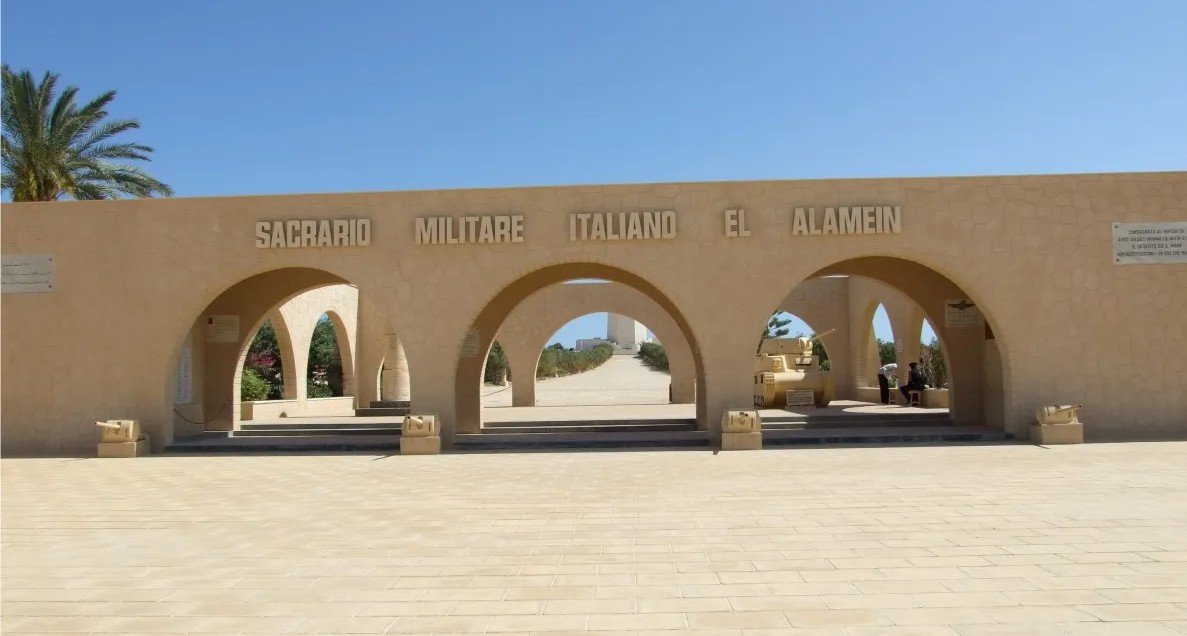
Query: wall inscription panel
point(1149, 243)
point(222, 329)
point(28, 273)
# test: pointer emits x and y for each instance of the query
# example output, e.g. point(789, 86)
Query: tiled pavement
point(969, 540)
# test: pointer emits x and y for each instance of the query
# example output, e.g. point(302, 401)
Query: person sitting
point(916, 381)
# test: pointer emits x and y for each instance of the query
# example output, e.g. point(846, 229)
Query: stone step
point(881, 422)
point(582, 427)
point(882, 435)
point(316, 432)
point(870, 419)
point(581, 440)
point(657, 421)
point(222, 443)
point(382, 411)
point(342, 423)
point(390, 404)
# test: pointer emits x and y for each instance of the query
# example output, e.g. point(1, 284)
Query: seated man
point(916, 381)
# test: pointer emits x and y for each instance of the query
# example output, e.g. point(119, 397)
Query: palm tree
point(53, 149)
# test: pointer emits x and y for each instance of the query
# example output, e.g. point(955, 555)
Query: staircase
point(335, 436)
point(859, 428)
point(562, 434)
point(782, 429)
point(385, 408)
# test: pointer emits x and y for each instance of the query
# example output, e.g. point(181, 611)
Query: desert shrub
point(496, 369)
point(558, 361)
point(654, 356)
point(252, 387)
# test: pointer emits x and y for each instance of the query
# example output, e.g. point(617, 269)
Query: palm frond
point(54, 148)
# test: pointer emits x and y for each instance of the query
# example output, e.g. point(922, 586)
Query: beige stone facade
point(1058, 319)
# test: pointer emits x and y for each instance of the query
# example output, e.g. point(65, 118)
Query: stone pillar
point(683, 372)
point(396, 385)
point(729, 381)
point(523, 354)
point(371, 347)
point(523, 389)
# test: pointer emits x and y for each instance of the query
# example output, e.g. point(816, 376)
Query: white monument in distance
point(625, 333)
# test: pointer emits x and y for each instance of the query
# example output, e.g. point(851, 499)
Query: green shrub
point(654, 356)
point(557, 361)
point(319, 391)
point(252, 387)
point(497, 368)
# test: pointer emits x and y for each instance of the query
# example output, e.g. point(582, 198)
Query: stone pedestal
point(1051, 434)
point(428, 445)
point(1057, 425)
point(741, 430)
point(125, 449)
point(420, 435)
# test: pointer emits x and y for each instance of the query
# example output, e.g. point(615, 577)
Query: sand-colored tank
point(786, 364)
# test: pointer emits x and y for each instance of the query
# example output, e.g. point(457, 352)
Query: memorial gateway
point(1043, 290)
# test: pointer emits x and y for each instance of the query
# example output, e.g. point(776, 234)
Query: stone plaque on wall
point(961, 313)
point(27, 274)
point(470, 344)
point(222, 329)
point(1149, 243)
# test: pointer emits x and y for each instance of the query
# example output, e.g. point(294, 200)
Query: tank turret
point(787, 364)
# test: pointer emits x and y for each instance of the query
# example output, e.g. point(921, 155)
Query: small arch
point(931, 356)
point(329, 360)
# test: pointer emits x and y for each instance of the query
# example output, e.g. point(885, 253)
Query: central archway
point(468, 379)
point(527, 330)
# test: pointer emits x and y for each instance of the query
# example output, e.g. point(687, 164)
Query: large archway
point(532, 324)
point(979, 377)
point(477, 342)
point(218, 339)
point(538, 366)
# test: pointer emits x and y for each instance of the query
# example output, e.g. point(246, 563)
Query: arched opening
point(329, 367)
point(931, 357)
point(263, 374)
point(219, 340)
point(888, 306)
point(885, 346)
point(294, 328)
point(494, 316)
point(592, 360)
point(792, 365)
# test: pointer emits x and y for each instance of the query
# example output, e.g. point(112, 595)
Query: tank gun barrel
point(821, 335)
point(108, 425)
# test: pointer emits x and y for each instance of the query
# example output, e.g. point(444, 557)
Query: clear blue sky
point(271, 96)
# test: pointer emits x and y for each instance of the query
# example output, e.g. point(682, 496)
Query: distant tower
point(626, 333)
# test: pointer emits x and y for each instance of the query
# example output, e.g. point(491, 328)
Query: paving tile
point(653, 621)
point(847, 618)
point(736, 619)
point(1136, 612)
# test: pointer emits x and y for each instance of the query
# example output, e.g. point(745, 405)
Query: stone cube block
point(741, 421)
point(420, 426)
point(420, 445)
point(1051, 434)
point(139, 448)
point(741, 441)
